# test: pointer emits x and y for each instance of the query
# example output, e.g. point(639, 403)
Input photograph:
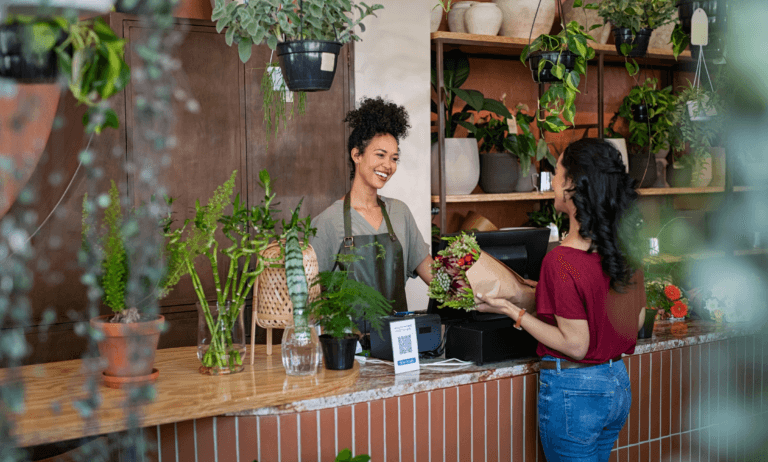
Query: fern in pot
point(128, 337)
point(342, 301)
point(221, 330)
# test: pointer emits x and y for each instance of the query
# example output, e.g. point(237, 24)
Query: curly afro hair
point(375, 116)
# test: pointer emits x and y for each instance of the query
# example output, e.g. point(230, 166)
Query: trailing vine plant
point(278, 102)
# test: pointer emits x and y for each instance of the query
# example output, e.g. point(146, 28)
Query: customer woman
point(379, 232)
point(584, 389)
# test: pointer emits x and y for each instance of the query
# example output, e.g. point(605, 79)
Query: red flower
point(679, 309)
point(672, 292)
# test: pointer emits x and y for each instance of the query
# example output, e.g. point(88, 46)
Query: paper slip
point(405, 349)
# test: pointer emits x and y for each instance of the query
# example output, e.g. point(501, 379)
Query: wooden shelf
point(749, 188)
point(537, 196)
point(747, 252)
point(508, 46)
point(665, 258)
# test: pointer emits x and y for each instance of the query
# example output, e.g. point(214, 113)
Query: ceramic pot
point(129, 349)
point(518, 17)
point(498, 172)
point(621, 145)
point(483, 19)
point(587, 19)
point(718, 166)
point(462, 166)
point(701, 175)
point(435, 18)
point(456, 16)
point(638, 42)
point(527, 183)
point(662, 35)
point(54, 7)
point(308, 65)
point(338, 353)
point(642, 168)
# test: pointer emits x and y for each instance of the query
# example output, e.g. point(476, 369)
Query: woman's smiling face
point(378, 163)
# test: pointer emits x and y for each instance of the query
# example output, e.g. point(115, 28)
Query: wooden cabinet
point(226, 132)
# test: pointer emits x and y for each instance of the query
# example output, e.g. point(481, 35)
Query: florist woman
point(379, 233)
point(584, 392)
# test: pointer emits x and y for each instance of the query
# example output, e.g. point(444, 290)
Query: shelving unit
point(498, 46)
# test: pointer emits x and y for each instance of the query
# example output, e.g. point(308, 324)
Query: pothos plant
point(558, 100)
point(653, 133)
point(272, 21)
point(249, 232)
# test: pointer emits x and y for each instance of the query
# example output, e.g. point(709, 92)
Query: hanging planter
point(27, 56)
point(632, 45)
point(551, 59)
point(640, 113)
point(308, 65)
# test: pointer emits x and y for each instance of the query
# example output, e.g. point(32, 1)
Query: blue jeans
point(582, 411)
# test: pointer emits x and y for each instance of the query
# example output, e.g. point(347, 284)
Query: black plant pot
point(642, 168)
point(647, 330)
point(18, 62)
point(717, 17)
point(566, 58)
point(339, 353)
point(638, 42)
point(640, 113)
point(308, 65)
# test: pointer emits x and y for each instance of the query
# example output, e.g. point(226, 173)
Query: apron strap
point(349, 241)
point(386, 219)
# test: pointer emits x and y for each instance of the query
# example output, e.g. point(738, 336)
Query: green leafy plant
point(546, 215)
point(95, 69)
point(346, 455)
point(654, 133)
point(455, 73)
point(249, 231)
point(444, 4)
point(273, 21)
point(634, 14)
point(692, 139)
point(296, 278)
point(278, 104)
point(680, 40)
point(343, 300)
point(494, 136)
point(558, 100)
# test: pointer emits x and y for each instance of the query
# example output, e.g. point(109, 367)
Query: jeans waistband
point(549, 362)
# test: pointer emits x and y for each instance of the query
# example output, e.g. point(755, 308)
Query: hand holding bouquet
point(462, 269)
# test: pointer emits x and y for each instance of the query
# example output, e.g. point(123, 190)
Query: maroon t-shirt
point(572, 285)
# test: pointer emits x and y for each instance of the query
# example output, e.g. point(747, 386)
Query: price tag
point(327, 62)
point(699, 28)
point(405, 349)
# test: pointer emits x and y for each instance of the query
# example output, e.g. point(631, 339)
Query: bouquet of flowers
point(668, 299)
point(462, 269)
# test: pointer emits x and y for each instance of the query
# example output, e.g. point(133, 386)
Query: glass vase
point(300, 347)
point(220, 338)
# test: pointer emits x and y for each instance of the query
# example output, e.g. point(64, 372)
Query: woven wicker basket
point(272, 307)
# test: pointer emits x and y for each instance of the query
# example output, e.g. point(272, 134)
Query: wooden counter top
point(182, 393)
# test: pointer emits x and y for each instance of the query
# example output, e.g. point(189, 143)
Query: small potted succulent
point(307, 35)
point(634, 21)
point(560, 59)
point(128, 337)
point(341, 302)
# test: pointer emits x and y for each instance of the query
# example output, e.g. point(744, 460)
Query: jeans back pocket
point(586, 413)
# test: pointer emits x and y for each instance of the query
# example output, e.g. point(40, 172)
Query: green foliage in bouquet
point(449, 285)
point(343, 300)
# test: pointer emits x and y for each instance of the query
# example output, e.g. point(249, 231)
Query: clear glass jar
point(300, 347)
point(220, 339)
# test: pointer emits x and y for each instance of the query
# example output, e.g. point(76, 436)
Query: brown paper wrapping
point(475, 221)
point(494, 279)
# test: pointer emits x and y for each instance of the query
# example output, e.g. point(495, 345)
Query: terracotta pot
point(483, 19)
point(518, 17)
point(129, 348)
point(456, 16)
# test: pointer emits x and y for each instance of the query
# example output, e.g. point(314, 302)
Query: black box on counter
point(427, 335)
point(488, 341)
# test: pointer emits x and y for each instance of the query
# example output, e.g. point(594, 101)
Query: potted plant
point(694, 131)
point(221, 331)
point(461, 153)
point(307, 37)
point(559, 59)
point(634, 21)
point(93, 59)
point(341, 301)
point(500, 144)
point(28, 47)
point(129, 337)
point(548, 217)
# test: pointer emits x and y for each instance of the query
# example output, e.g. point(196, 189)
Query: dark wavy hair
point(375, 116)
point(606, 208)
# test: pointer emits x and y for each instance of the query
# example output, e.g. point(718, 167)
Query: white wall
point(392, 61)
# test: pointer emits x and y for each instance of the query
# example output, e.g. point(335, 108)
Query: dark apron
point(385, 274)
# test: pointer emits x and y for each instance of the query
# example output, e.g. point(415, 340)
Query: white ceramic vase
point(462, 166)
point(588, 18)
point(456, 16)
point(621, 145)
point(30, 7)
point(483, 19)
point(662, 35)
point(527, 183)
point(517, 17)
point(435, 18)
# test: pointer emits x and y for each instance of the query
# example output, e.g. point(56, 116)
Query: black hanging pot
point(308, 65)
point(338, 353)
point(640, 113)
point(638, 42)
point(566, 58)
point(19, 62)
point(717, 17)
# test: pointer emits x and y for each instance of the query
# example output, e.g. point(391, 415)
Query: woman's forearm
point(569, 340)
